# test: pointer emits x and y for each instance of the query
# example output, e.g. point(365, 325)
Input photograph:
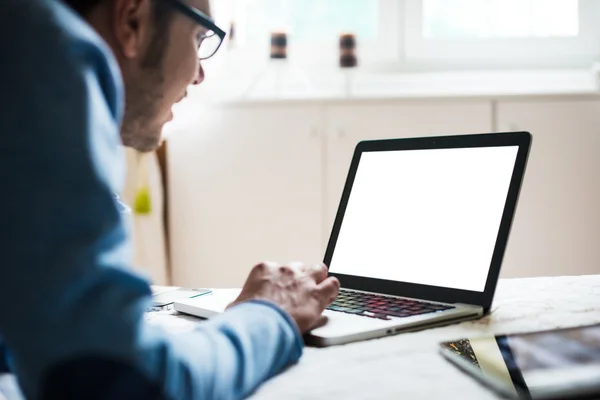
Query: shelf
point(332, 86)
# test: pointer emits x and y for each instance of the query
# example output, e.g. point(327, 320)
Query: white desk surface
point(408, 366)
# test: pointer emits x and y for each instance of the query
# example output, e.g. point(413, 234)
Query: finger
point(286, 274)
point(263, 268)
point(320, 322)
point(286, 270)
point(327, 291)
point(317, 271)
point(297, 265)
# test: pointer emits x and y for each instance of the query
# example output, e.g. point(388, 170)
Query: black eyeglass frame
point(202, 19)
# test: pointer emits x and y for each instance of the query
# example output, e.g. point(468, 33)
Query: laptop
point(418, 238)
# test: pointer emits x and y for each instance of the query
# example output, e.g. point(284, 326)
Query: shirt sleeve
point(74, 327)
point(3, 358)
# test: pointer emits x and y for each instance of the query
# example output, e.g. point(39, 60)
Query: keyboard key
point(355, 311)
point(379, 306)
point(399, 315)
point(338, 308)
point(376, 315)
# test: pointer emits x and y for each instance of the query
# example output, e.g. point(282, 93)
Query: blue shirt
point(71, 314)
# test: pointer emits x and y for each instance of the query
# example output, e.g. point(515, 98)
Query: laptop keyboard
point(381, 307)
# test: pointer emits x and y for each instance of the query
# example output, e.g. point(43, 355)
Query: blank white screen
point(425, 216)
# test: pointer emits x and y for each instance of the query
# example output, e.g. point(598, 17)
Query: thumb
point(320, 322)
point(328, 291)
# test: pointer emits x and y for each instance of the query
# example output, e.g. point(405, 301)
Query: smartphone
point(562, 363)
point(166, 298)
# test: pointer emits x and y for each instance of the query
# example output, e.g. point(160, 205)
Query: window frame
point(406, 49)
point(310, 53)
point(534, 52)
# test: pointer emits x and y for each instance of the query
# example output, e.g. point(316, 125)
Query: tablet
point(169, 296)
point(552, 364)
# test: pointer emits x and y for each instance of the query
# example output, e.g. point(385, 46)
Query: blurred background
point(253, 164)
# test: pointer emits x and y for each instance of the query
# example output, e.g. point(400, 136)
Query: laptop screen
point(428, 217)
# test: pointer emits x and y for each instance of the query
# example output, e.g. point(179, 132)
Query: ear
point(132, 24)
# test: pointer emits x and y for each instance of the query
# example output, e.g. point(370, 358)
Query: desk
point(408, 366)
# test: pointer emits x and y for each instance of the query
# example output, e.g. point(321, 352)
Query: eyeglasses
point(210, 41)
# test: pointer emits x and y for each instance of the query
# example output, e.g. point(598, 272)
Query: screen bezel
point(427, 292)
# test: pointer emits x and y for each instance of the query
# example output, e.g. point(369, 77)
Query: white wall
point(147, 230)
point(557, 224)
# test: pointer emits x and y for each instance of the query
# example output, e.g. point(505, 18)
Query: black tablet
point(552, 364)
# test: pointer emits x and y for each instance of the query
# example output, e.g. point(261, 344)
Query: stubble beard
point(141, 128)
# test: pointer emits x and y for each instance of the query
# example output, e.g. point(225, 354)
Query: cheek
point(189, 60)
point(181, 67)
point(188, 67)
point(183, 72)
point(192, 68)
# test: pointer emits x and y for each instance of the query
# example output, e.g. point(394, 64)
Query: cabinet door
point(245, 187)
point(348, 125)
point(556, 230)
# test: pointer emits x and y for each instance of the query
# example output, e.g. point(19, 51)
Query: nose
point(200, 77)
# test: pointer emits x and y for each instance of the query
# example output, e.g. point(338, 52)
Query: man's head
point(156, 43)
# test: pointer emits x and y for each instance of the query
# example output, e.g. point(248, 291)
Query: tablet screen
point(535, 365)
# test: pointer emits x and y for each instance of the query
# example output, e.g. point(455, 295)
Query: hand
point(303, 291)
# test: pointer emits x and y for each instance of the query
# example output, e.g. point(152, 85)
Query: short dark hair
point(162, 12)
point(162, 18)
point(82, 7)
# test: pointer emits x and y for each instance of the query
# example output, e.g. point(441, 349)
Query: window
point(306, 20)
point(313, 27)
point(424, 33)
point(500, 18)
point(502, 32)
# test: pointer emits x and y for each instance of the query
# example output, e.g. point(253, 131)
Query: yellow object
point(143, 205)
point(143, 201)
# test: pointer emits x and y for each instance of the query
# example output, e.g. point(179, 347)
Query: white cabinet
point(349, 124)
point(556, 230)
point(263, 182)
point(245, 186)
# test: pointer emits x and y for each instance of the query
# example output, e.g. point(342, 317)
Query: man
point(71, 321)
